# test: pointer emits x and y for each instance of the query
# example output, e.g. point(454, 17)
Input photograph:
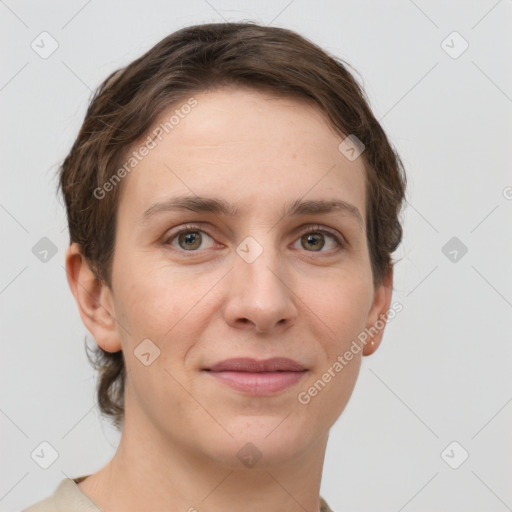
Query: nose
point(260, 295)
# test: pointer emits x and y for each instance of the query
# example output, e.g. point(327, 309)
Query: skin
point(298, 299)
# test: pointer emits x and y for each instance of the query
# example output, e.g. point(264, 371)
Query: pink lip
point(246, 364)
point(258, 377)
point(260, 383)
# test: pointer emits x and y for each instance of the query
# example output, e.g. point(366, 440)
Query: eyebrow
point(219, 206)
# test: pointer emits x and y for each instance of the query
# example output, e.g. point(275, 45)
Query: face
point(280, 278)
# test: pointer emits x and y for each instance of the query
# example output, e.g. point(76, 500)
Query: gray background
point(442, 373)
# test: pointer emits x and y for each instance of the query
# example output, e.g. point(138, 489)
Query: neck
point(153, 471)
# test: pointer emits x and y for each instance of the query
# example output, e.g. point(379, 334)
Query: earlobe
point(94, 300)
point(377, 316)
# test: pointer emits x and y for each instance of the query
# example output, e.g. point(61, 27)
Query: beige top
point(68, 497)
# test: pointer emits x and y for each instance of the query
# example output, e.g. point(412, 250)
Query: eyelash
point(310, 229)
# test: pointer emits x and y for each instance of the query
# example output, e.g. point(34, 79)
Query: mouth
point(258, 377)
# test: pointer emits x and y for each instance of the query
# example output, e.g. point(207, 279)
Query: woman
point(233, 205)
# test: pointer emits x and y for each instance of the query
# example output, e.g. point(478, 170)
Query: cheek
point(342, 307)
point(149, 303)
point(154, 310)
point(165, 305)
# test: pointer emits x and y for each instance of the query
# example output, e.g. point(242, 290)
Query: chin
point(259, 443)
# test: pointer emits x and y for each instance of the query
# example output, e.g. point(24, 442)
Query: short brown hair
point(192, 60)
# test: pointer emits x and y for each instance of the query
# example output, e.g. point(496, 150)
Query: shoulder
point(46, 505)
point(67, 497)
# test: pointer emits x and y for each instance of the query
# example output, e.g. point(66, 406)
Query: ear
point(377, 315)
point(94, 300)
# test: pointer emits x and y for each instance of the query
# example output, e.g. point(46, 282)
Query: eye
point(189, 239)
point(314, 238)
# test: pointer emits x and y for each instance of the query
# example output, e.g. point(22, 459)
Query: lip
point(255, 377)
point(246, 364)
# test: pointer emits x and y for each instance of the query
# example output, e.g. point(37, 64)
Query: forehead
point(250, 147)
